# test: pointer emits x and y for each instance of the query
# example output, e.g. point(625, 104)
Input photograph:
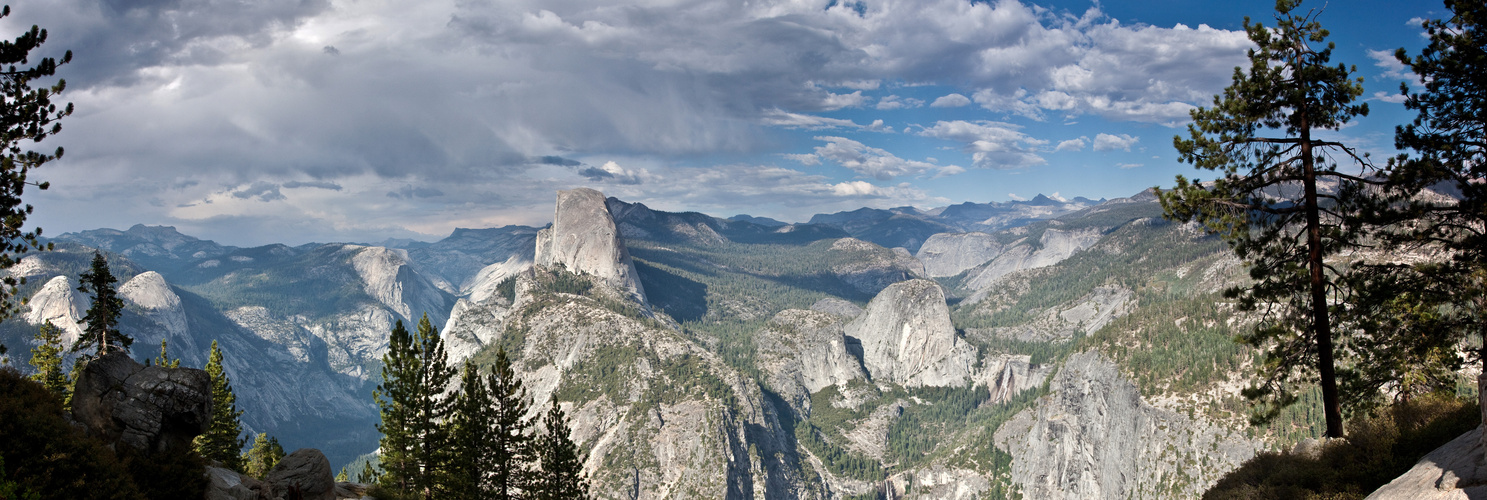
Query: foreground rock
point(305, 473)
point(1453, 471)
point(149, 408)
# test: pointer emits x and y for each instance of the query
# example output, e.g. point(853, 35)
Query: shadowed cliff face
point(154, 409)
point(584, 239)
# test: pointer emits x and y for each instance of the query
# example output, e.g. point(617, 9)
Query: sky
point(295, 121)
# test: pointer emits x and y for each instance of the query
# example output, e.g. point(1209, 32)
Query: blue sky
point(358, 120)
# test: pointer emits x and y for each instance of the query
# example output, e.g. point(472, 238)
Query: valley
point(1043, 348)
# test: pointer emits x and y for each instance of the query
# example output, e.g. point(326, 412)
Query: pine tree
point(396, 396)
point(1267, 205)
point(163, 359)
point(1422, 312)
point(368, 474)
point(561, 476)
point(511, 440)
point(265, 454)
point(27, 116)
point(222, 441)
point(471, 438)
point(102, 319)
point(432, 408)
point(47, 358)
point(341, 477)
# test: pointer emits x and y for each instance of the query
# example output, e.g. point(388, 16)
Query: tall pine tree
point(432, 409)
point(511, 444)
point(415, 442)
point(46, 357)
point(471, 438)
point(265, 454)
point(102, 320)
point(1267, 204)
point(561, 475)
point(1422, 312)
point(223, 439)
point(396, 396)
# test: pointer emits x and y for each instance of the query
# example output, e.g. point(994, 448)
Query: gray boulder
point(306, 470)
point(149, 408)
point(1453, 471)
point(227, 484)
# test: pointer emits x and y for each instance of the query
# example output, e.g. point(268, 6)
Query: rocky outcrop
point(870, 268)
point(1061, 323)
point(486, 281)
point(387, 277)
point(583, 238)
point(1095, 437)
point(303, 474)
point(149, 408)
point(839, 307)
point(802, 352)
point(1053, 247)
point(907, 337)
point(1452, 472)
point(59, 302)
point(949, 254)
point(1007, 375)
point(154, 298)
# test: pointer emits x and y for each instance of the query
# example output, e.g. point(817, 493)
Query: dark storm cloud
point(410, 192)
point(264, 191)
point(313, 184)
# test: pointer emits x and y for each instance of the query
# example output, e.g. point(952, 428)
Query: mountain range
point(1058, 349)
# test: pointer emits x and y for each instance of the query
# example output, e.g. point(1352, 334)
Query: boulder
point(1453, 471)
point(306, 471)
point(154, 409)
point(227, 484)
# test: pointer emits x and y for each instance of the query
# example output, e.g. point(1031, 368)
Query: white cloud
point(1107, 142)
point(878, 126)
point(1393, 69)
point(780, 118)
point(873, 162)
point(838, 101)
point(806, 159)
point(612, 172)
point(1125, 166)
point(261, 98)
point(1071, 145)
point(1055, 197)
point(951, 101)
point(1014, 197)
point(896, 102)
point(1394, 97)
point(991, 144)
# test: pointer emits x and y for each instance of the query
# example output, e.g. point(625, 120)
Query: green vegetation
point(46, 357)
point(48, 457)
point(222, 441)
point(1265, 204)
point(263, 456)
point(29, 116)
point(102, 319)
point(1379, 448)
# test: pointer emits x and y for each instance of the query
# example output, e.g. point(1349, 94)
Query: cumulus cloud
point(1014, 197)
point(991, 144)
point(951, 101)
point(1392, 67)
point(869, 161)
point(896, 102)
point(278, 90)
point(1071, 145)
point(1394, 97)
point(1108, 142)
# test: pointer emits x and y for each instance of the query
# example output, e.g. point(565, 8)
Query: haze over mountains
point(953, 353)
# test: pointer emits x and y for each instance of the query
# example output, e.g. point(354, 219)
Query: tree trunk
point(1321, 322)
